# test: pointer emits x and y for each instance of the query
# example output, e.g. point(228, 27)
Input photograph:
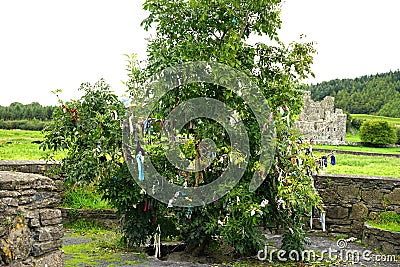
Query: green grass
point(80, 227)
point(17, 145)
point(105, 246)
point(387, 226)
point(382, 150)
point(387, 221)
point(364, 165)
point(84, 197)
point(353, 137)
point(394, 121)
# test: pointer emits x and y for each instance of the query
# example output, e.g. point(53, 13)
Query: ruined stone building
point(320, 122)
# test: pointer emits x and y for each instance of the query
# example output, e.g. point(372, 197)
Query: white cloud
point(49, 44)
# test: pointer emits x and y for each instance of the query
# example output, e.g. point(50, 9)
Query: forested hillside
point(371, 94)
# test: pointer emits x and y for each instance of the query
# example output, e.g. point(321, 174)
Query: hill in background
point(370, 94)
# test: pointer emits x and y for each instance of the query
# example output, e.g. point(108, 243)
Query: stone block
point(338, 221)
point(28, 192)
point(48, 233)
point(349, 193)
point(41, 248)
point(57, 232)
point(3, 207)
point(387, 241)
point(337, 212)
point(34, 222)
point(24, 200)
point(53, 259)
point(387, 247)
point(394, 197)
point(17, 241)
point(50, 217)
point(396, 209)
point(9, 201)
point(8, 193)
point(48, 214)
point(359, 211)
point(33, 218)
point(374, 196)
point(373, 215)
point(329, 196)
point(357, 228)
point(42, 234)
point(46, 200)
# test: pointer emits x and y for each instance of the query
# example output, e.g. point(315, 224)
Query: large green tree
point(214, 32)
point(219, 31)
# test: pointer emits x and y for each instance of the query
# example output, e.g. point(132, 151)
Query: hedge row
point(33, 125)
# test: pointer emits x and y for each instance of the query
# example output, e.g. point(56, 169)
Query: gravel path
point(320, 244)
point(343, 250)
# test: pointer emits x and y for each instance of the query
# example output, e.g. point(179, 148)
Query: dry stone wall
point(386, 241)
point(28, 166)
point(31, 229)
point(104, 217)
point(30, 222)
point(349, 200)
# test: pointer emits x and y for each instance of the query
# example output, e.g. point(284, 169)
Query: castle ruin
point(320, 122)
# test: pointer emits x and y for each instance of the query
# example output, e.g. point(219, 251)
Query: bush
point(398, 135)
point(377, 132)
point(356, 123)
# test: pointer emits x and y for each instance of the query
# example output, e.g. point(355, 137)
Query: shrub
point(32, 125)
point(398, 135)
point(377, 132)
point(356, 123)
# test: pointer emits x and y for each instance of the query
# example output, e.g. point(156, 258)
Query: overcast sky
point(50, 44)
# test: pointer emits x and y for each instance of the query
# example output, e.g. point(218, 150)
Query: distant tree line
point(371, 94)
point(33, 111)
point(31, 116)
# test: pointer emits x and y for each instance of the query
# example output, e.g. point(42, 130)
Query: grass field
point(353, 137)
point(17, 145)
point(382, 150)
point(21, 145)
point(365, 165)
point(394, 121)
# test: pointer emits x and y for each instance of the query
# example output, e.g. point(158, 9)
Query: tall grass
point(84, 197)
